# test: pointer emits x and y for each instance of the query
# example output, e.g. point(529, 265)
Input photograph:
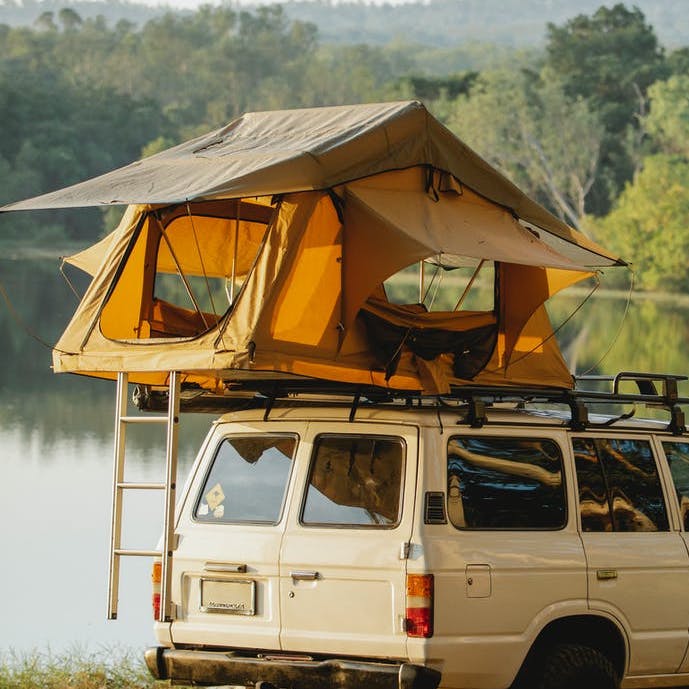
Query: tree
point(609, 59)
point(678, 61)
point(432, 88)
point(526, 126)
point(650, 224)
point(46, 21)
point(69, 19)
point(58, 133)
point(668, 119)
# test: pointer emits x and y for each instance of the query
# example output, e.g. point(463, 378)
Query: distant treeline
point(439, 23)
point(595, 125)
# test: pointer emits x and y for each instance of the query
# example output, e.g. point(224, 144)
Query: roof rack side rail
point(595, 378)
point(646, 384)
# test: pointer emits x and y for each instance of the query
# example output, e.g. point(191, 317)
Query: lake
point(56, 436)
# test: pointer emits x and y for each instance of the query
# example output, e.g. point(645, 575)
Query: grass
point(76, 669)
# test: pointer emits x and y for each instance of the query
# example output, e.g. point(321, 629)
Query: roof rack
point(269, 394)
point(645, 382)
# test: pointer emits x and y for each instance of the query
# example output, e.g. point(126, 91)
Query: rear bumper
point(217, 668)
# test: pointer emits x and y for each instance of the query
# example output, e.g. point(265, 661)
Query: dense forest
point(594, 122)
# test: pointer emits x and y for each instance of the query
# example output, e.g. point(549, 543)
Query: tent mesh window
point(185, 269)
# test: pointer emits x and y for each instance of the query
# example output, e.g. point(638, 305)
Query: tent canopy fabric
point(260, 250)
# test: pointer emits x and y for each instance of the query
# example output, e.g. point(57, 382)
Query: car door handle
point(224, 567)
point(304, 575)
point(606, 574)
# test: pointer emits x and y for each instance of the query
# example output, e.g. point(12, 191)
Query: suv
point(479, 541)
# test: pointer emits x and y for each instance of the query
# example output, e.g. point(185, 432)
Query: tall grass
point(75, 669)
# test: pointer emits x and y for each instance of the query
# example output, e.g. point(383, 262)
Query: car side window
point(505, 483)
point(247, 481)
point(355, 481)
point(619, 486)
point(677, 454)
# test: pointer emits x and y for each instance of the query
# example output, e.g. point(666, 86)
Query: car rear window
point(355, 481)
point(505, 483)
point(248, 480)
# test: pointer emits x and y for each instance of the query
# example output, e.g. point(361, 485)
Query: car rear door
point(343, 558)
point(637, 562)
point(676, 453)
point(226, 565)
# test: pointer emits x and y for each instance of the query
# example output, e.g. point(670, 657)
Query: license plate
point(231, 597)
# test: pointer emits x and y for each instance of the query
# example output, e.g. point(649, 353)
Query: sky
point(194, 4)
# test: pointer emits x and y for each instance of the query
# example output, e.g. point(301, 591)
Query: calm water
point(56, 460)
point(56, 436)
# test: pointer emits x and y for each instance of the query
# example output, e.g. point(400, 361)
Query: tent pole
point(469, 284)
point(422, 280)
point(183, 277)
point(234, 255)
point(203, 267)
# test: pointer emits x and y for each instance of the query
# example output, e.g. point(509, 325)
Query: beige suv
point(482, 541)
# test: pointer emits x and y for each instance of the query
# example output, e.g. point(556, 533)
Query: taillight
point(419, 622)
point(156, 577)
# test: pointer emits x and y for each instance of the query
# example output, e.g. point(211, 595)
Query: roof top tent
point(228, 238)
point(256, 255)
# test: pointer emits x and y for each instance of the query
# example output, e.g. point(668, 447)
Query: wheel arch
point(595, 631)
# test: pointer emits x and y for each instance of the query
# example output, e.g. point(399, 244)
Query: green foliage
point(649, 224)
point(525, 125)
point(678, 61)
point(668, 120)
point(56, 132)
point(609, 59)
point(433, 88)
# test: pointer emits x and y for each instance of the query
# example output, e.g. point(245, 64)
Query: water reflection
point(56, 468)
point(651, 338)
point(52, 407)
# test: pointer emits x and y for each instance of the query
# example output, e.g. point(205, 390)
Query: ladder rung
point(141, 486)
point(143, 419)
point(138, 553)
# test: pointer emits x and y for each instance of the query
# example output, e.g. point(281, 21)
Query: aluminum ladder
point(119, 486)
